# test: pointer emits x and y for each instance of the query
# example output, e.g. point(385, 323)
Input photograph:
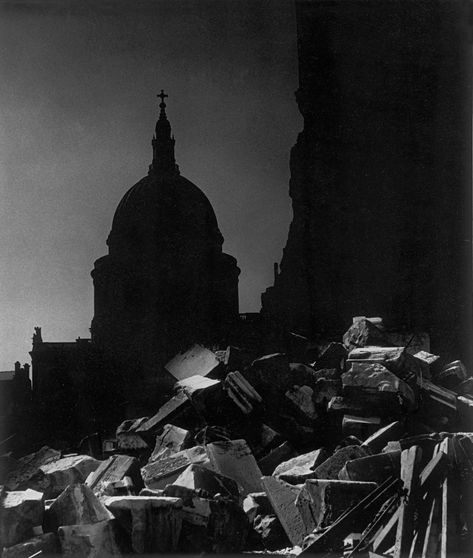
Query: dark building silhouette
point(165, 282)
point(381, 173)
point(15, 407)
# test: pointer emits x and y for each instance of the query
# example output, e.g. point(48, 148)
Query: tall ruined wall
point(380, 174)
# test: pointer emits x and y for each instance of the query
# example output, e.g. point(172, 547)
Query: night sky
point(77, 113)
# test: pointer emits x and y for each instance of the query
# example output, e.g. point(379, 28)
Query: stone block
point(426, 357)
point(172, 440)
point(224, 529)
point(262, 439)
point(325, 390)
point(196, 361)
point(452, 374)
point(303, 464)
point(363, 333)
point(207, 397)
point(241, 392)
point(228, 527)
point(97, 540)
point(373, 468)
point(274, 457)
point(209, 524)
point(283, 500)
point(346, 405)
point(20, 512)
point(236, 359)
point(77, 505)
point(151, 492)
point(321, 502)
point(330, 468)
point(127, 437)
point(302, 399)
point(178, 410)
point(257, 503)
point(269, 374)
point(197, 477)
point(44, 546)
point(396, 359)
point(154, 523)
point(234, 459)
point(465, 387)
point(28, 466)
point(160, 473)
point(374, 378)
point(333, 356)
point(378, 440)
point(114, 469)
point(55, 476)
point(271, 532)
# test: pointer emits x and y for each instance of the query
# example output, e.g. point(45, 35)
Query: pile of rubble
point(367, 450)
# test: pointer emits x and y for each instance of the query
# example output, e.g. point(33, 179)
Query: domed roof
point(163, 205)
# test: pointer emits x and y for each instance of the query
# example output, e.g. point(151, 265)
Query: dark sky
point(77, 113)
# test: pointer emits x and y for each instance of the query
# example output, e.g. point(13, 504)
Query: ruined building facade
point(381, 173)
point(165, 282)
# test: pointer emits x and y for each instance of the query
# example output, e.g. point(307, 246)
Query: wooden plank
point(434, 469)
point(431, 546)
point(353, 520)
point(386, 535)
point(450, 505)
point(389, 508)
point(410, 469)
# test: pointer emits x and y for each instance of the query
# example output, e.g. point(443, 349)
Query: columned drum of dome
point(165, 282)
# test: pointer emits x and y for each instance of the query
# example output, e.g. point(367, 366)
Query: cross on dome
point(162, 96)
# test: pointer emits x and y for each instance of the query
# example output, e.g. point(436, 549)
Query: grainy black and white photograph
point(236, 278)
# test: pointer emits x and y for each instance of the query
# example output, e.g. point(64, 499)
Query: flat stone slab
point(372, 468)
point(196, 361)
point(235, 460)
point(28, 466)
point(330, 468)
point(197, 477)
point(159, 474)
point(308, 461)
point(283, 498)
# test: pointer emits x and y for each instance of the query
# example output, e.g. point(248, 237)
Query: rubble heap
point(367, 449)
